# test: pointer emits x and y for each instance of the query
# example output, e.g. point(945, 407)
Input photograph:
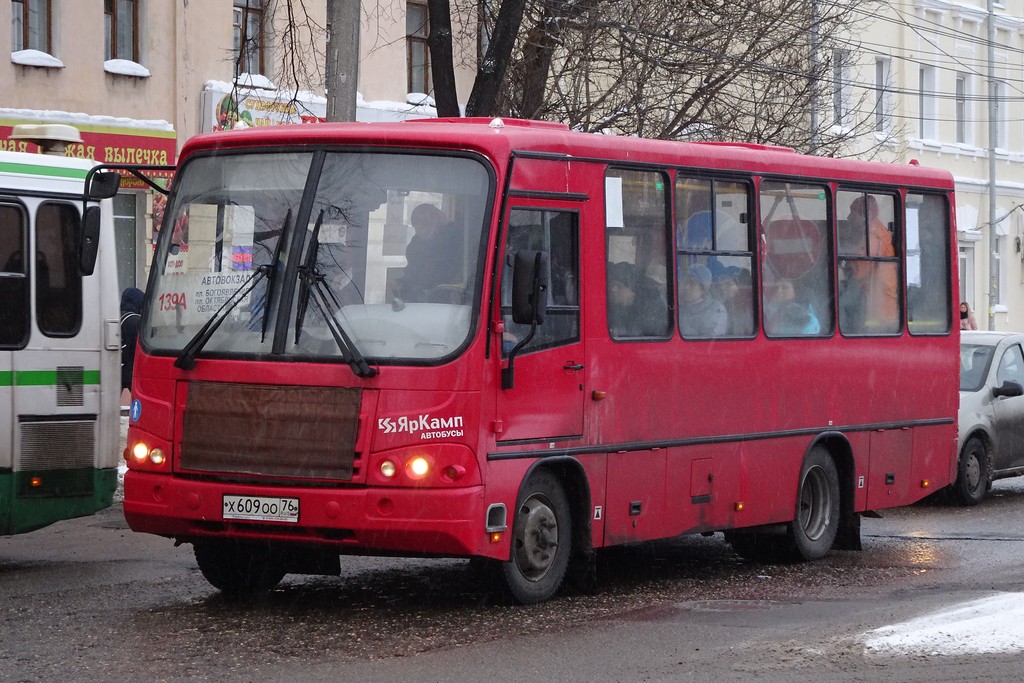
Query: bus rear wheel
point(541, 541)
point(814, 529)
point(239, 569)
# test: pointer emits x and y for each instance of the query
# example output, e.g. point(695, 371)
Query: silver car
point(991, 417)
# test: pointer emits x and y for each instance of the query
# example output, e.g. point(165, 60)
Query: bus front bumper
point(440, 521)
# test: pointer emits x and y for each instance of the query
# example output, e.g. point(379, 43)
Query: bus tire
point(816, 524)
point(541, 541)
point(972, 480)
point(238, 569)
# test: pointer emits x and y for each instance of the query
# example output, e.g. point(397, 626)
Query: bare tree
point(694, 69)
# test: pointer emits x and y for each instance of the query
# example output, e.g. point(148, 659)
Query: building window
point(883, 96)
point(125, 237)
point(121, 26)
point(416, 31)
point(999, 94)
point(841, 87)
point(926, 102)
point(962, 90)
point(248, 36)
point(30, 25)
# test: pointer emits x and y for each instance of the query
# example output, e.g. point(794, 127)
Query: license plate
point(261, 508)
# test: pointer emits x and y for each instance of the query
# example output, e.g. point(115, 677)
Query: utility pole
point(342, 59)
point(814, 77)
point(993, 258)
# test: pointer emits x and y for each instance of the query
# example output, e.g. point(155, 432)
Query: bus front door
point(546, 400)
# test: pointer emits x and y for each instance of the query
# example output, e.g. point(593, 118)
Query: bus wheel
point(972, 473)
point(541, 541)
point(817, 509)
point(238, 568)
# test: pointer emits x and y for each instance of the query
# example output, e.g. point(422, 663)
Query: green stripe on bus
point(38, 378)
point(34, 169)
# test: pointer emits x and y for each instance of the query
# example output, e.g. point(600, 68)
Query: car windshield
point(974, 362)
point(320, 254)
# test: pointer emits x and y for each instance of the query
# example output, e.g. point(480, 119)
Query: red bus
point(509, 341)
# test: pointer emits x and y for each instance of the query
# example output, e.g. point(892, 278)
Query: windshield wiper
point(313, 282)
point(305, 281)
point(187, 359)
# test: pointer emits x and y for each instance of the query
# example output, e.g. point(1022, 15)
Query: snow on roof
point(81, 119)
point(417, 105)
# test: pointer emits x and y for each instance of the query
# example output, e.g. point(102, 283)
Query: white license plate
point(261, 508)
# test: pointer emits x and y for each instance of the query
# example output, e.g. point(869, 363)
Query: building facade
point(925, 77)
point(140, 77)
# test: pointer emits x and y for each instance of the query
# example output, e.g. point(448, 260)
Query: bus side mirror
point(530, 287)
point(103, 185)
point(89, 243)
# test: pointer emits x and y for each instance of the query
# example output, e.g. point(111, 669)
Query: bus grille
point(70, 380)
point(57, 445)
point(271, 431)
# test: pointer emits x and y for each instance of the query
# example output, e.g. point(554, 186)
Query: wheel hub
point(535, 550)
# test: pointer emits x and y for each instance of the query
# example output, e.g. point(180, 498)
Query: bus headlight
point(140, 452)
point(142, 456)
point(431, 465)
point(418, 467)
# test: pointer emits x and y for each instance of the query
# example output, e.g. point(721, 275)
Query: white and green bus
point(59, 337)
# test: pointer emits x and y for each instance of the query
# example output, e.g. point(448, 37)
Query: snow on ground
point(990, 625)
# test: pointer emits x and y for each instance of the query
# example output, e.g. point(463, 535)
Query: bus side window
point(637, 255)
point(928, 264)
point(557, 233)
point(869, 267)
point(14, 313)
point(58, 282)
point(797, 293)
point(713, 231)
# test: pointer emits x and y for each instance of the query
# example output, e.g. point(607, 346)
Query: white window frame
point(963, 117)
point(883, 95)
point(926, 103)
point(841, 87)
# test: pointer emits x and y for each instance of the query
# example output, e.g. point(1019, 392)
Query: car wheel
point(972, 473)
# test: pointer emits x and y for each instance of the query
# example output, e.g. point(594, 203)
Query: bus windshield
point(345, 255)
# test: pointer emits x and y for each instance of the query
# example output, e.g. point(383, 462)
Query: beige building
point(922, 75)
point(139, 77)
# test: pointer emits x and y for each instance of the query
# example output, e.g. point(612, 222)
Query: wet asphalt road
point(89, 600)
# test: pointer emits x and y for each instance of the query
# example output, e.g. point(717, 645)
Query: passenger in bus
point(131, 320)
point(700, 314)
point(878, 283)
point(787, 315)
point(733, 287)
point(633, 309)
point(433, 272)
